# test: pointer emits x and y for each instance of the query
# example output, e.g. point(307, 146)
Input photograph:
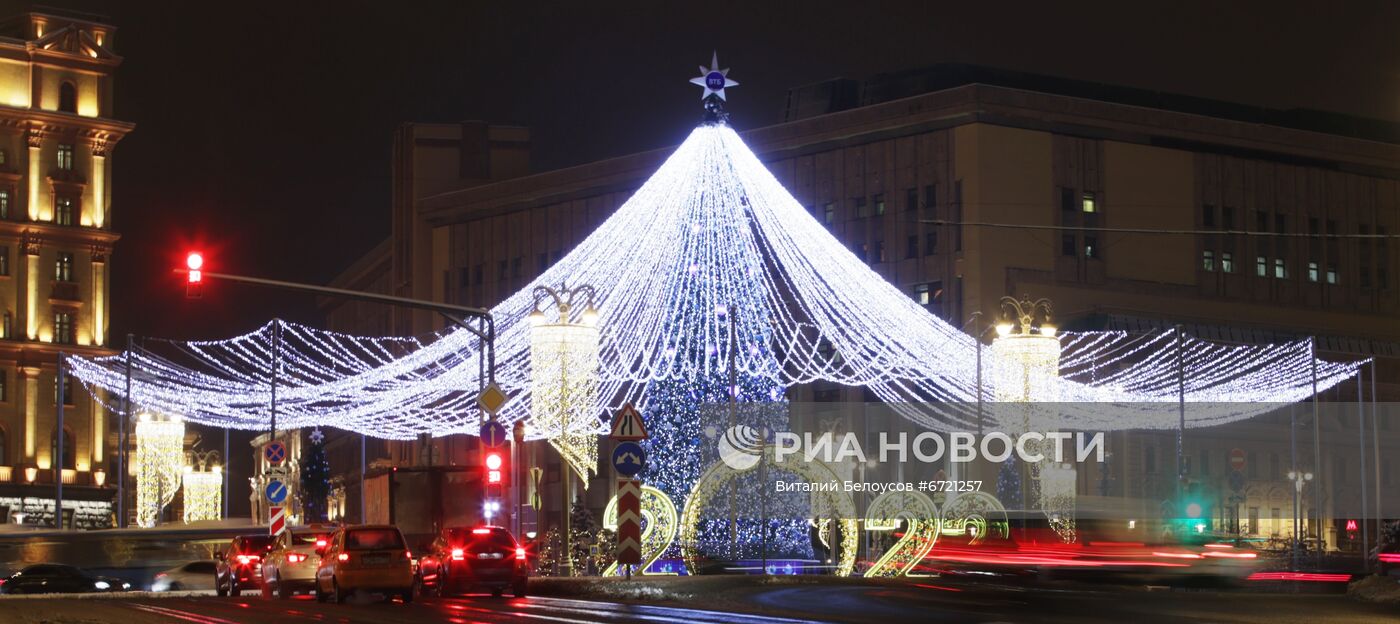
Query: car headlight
point(102, 585)
point(126, 585)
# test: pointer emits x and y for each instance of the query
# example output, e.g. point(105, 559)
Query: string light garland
point(159, 464)
point(712, 227)
point(203, 491)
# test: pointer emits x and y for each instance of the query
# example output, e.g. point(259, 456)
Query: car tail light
point(161, 575)
point(321, 543)
point(296, 558)
point(343, 556)
point(520, 553)
point(458, 554)
point(408, 554)
point(482, 531)
point(247, 559)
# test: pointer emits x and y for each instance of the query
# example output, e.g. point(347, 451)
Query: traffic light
point(495, 473)
point(194, 286)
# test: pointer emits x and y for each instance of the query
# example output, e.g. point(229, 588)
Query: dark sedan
point(51, 578)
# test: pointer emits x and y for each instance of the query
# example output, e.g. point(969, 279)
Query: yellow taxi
point(290, 565)
point(370, 558)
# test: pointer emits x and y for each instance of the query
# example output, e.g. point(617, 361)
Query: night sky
point(263, 129)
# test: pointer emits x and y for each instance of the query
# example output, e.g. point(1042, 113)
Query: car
point(370, 558)
point(291, 564)
point(190, 576)
point(52, 578)
point(466, 558)
point(240, 565)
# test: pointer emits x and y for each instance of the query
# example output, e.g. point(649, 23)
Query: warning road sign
point(627, 426)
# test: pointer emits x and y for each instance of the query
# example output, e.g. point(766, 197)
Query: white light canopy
point(710, 233)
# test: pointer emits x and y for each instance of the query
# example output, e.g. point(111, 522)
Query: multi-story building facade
point(923, 175)
point(56, 139)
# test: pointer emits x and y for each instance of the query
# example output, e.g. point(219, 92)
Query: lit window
point(1313, 272)
point(65, 157)
point(1091, 247)
point(63, 267)
point(1280, 270)
point(880, 251)
point(921, 294)
point(1261, 266)
point(829, 213)
point(4, 204)
point(7, 326)
point(63, 327)
point(4, 157)
point(879, 201)
point(63, 211)
point(1227, 262)
point(1332, 274)
point(1088, 203)
point(1207, 260)
point(859, 207)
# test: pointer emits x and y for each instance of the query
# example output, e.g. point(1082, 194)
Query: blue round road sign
point(493, 433)
point(629, 458)
point(276, 491)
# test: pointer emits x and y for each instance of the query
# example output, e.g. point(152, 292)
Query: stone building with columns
point(56, 139)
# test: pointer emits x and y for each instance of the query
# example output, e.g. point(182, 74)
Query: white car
point(190, 576)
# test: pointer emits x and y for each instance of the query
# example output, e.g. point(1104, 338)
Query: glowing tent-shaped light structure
point(711, 227)
point(159, 464)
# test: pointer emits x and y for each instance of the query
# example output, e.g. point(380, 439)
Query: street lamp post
point(1298, 479)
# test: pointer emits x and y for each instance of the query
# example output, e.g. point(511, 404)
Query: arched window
point(68, 98)
point(69, 448)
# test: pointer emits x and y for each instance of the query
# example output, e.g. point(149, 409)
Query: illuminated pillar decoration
point(160, 445)
point(31, 299)
point(99, 425)
point(564, 370)
point(203, 494)
point(1026, 373)
point(31, 408)
point(35, 141)
point(99, 296)
point(95, 211)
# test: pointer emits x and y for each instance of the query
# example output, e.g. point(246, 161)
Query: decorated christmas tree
point(583, 529)
point(315, 479)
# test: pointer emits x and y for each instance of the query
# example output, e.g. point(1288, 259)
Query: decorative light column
point(203, 487)
point(1027, 369)
point(159, 462)
point(564, 391)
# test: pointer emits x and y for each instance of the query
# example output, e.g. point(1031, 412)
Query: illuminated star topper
point(713, 80)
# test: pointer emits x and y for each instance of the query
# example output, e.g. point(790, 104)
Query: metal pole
point(363, 490)
point(1376, 452)
point(227, 491)
point(733, 420)
point(58, 464)
point(1181, 410)
point(1317, 447)
point(1361, 441)
point(1297, 474)
point(977, 340)
point(124, 436)
point(276, 355)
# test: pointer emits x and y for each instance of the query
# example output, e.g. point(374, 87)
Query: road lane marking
point(181, 615)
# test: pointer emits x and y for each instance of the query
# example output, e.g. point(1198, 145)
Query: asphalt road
point(914, 602)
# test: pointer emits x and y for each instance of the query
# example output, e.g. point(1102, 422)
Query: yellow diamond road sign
point(492, 398)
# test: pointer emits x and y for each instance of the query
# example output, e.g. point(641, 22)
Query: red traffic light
point(194, 285)
point(494, 474)
point(194, 261)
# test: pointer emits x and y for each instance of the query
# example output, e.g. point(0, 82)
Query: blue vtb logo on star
point(714, 81)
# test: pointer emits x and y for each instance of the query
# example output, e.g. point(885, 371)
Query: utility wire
point(1025, 226)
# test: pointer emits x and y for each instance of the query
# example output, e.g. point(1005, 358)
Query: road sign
point(629, 458)
point(276, 491)
point(492, 398)
point(1236, 480)
point(1237, 459)
point(276, 521)
point(627, 425)
point(629, 521)
point(275, 453)
point(493, 433)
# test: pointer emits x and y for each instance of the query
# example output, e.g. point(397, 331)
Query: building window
point(931, 202)
point(1091, 247)
point(1313, 272)
point(911, 247)
point(1067, 245)
point(1067, 200)
point(67, 98)
point(930, 242)
point(859, 203)
point(921, 294)
point(63, 267)
point(861, 250)
point(829, 213)
point(1331, 274)
point(1088, 203)
point(63, 211)
point(4, 158)
point(65, 157)
point(1261, 266)
point(1208, 216)
point(1280, 223)
point(1207, 260)
point(911, 199)
point(63, 327)
point(879, 201)
point(1227, 217)
point(1280, 269)
point(1312, 226)
point(1227, 262)
point(7, 325)
point(4, 204)
point(67, 391)
point(1261, 221)
point(929, 295)
point(879, 251)
point(4, 396)
point(4, 261)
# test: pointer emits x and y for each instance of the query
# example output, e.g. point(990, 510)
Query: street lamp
point(1298, 479)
